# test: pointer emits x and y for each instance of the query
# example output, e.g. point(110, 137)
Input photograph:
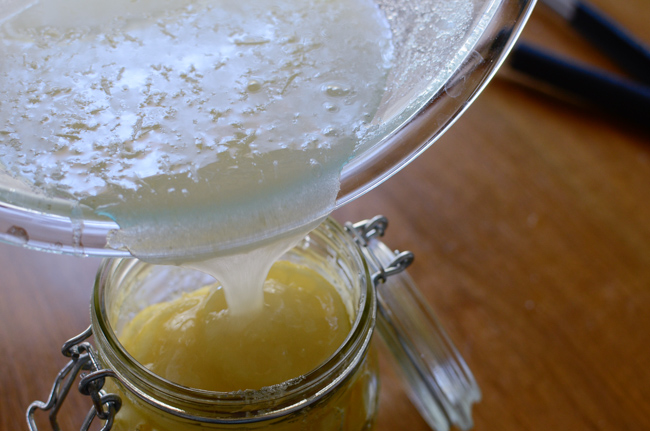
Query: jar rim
point(246, 405)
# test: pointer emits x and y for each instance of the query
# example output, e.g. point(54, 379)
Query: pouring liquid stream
point(242, 275)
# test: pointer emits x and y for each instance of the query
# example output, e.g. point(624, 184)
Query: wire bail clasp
point(82, 358)
point(363, 232)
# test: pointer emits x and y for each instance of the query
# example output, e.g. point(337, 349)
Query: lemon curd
point(196, 342)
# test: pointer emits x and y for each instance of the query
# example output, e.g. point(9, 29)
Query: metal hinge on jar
point(363, 232)
point(83, 361)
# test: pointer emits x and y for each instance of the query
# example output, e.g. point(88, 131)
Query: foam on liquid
point(204, 128)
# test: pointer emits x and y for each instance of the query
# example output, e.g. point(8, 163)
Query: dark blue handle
point(619, 96)
point(611, 39)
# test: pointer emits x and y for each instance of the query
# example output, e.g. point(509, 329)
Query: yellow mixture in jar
point(196, 342)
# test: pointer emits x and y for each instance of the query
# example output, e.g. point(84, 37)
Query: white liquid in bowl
point(200, 127)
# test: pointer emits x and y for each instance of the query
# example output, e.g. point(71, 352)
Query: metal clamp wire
point(74, 345)
point(113, 404)
point(91, 385)
point(82, 355)
point(60, 389)
point(366, 230)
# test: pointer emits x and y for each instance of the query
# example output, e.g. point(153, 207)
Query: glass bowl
point(445, 52)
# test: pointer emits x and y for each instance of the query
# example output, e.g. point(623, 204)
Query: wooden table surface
point(530, 221)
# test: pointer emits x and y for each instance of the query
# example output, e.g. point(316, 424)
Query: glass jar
point(340, 394)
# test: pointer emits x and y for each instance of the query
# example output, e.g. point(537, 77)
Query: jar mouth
point(245, 405)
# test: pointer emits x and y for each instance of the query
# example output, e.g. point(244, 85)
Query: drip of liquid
point(208, 130)
point(243, 274)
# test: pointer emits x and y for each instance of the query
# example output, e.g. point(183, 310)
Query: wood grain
point(530, 224)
